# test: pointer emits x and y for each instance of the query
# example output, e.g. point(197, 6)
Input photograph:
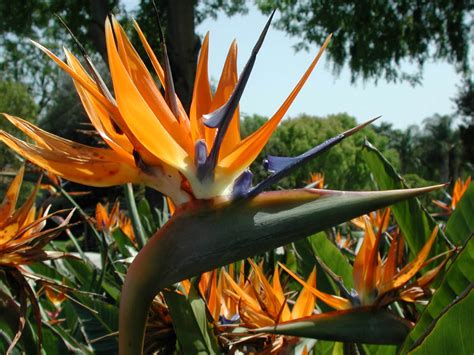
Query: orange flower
point(21, 232)
point(22, 238)
point(459, 189)
point(316, 181)
point(253, 301)
point(378, 282)
point(150, 138)
point(107, 222)
point(376, 218)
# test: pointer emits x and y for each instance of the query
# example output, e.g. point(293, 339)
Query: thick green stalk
point(140, 234)
point(206, 235)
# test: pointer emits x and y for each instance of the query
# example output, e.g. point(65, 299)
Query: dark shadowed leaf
point(190, 323)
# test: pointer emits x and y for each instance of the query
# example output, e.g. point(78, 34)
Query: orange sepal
point(335, 302)
point(84, 170)
point(201, 102)
point(410, 270)
point(147, 129)
point(306, 301)
point(247, 151)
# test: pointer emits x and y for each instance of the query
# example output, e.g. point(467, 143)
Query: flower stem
point(136, 222)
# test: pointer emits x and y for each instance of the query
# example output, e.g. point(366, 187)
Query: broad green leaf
point(122, 242)
point(53, 344)
point(209, 234)
point(306, 261)
point(380, 349)
point(319, 245)
point(452, 331)
point(358, 325)
point(457, 279)
point(414, 221)
point(461, 223)
point(100, 323)
point(87, 275)
point(68, 341)
point(332, 257)
point(324, 347)
point(9, 322)
point(190, 323)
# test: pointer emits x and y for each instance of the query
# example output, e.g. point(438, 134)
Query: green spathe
point(358, 325)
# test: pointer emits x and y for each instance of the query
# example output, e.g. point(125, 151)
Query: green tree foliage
point(430, 152)
point(465, 104)
point(342, 165)
point(375, 37)
point(15, 100)
point(24, 20)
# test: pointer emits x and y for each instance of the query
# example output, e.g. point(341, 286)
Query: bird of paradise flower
point(197, 159)
point(377, 282)
point(252, 301)
point(22, 239)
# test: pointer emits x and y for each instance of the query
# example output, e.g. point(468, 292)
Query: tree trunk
point(98, 12)
point(183, 47)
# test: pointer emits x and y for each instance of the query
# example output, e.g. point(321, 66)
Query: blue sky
point(279, 67)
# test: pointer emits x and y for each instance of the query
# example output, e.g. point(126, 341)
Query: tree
point(16, 100)
point(372, 37)
point(465, 104)
point(375, 37)
point(439, 147)
point(342, 165)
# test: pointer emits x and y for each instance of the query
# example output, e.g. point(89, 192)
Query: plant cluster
point(346, 275)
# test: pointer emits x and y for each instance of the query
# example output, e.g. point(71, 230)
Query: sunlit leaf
point(461, 223)
point(457, 279)
point(452, 331)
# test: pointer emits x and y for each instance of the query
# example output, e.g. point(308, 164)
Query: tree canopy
point(375, 37)
point(372, 37)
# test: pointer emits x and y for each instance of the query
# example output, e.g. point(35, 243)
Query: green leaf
point(99, 321)
point(332, 257)
point(190, 322)
point(122, 242)
point(452, 332)
point(209, 234)
point(461, 223)
point(414, 221)
point(319, 245)
point(64, 339)
point(457, 279)
point(324, 347)
point(371, 349)
point(358, 325)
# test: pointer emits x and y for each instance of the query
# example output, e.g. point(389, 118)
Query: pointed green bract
point(359, 325)
point(209, 234)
